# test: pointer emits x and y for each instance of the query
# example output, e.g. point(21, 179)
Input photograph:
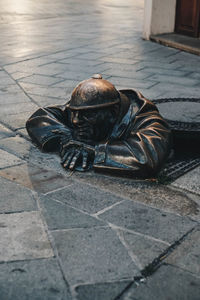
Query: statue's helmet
point(94, 93)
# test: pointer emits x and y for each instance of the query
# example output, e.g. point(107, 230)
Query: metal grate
point(182, 163)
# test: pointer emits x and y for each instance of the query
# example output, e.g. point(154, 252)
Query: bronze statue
point(104, 129)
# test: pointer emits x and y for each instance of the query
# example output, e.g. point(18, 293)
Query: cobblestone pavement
point(89, 236)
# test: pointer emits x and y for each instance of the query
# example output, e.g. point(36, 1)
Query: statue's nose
point(76, 119)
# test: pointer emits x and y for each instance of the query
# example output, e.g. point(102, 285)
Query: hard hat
point(93, 93)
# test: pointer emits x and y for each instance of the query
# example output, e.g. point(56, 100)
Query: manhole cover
point(183, 117)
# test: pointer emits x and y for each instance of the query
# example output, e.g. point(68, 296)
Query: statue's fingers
point(85, 160)
point(65, 156)
point(68, 160)
point(74, 160)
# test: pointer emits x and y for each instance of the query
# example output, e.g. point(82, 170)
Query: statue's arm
point(46, 127)
point(141, 152)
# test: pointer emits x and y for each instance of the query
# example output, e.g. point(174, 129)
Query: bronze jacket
point(138, 145)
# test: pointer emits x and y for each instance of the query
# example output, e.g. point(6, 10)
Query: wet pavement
point(89, 236)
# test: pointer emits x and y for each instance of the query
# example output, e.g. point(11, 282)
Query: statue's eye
point(90, 114)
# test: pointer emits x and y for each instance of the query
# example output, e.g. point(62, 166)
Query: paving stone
point(62, 216)
point(142, 249)
point(23, 237)
point(48, 101)
point(162, 71)
point(49, 161)
point(187, 255)
point(19, 75)
point(15, 198)
point(10, 89)
point(16, 108)
point(166, 283)
point(99, 291)
point(68, 84)
point(85, 197)
point(81, 61)
point(85, 258)
point(189, 181)
point(175, 90)
point(175, 80)
point(36, 178)
point(17, 146)
point(131, 83)
point(41, 80)
point(23, 133)
point(168, 198)
point(44, 90)
point(22, 281)
point(16, 121)
point(14, 98)
point(5, 132)
point(149, 221)
point(8, 160)
point(73, 75)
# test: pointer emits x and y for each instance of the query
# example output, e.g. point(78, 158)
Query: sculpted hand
point(77, 156)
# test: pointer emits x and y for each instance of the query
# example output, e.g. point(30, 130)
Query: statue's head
point(94, 109)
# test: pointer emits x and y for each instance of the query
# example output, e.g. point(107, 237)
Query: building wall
point(159, 17)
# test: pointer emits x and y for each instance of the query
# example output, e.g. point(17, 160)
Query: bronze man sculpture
point(104, 129)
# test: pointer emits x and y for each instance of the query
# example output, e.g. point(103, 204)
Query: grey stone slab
point(99, 291)
point(36, 178)
point(8, 160)
point(67, 84)
point(81, 61)
point(23, 237)
point(168, 198)
point(14, 98)
point(15, 198)
point(175, 79)
point(189, 181)
point(23, 133)
point(149, 221)
point(118, 60)
point(187, 255)
point(143, 249)
point(17, 146)
point(44, 90)
point(39, 79)
point(5, 132)
point(162, 71)
point(16, 121)
point(85, 197)
point(49, 161)
point(36, 279)
point(93, 255)
point(131, 83)
point(90, 55)
point(174, 90)
point(47, 101)
point(9, 89)
point(166, 283)
point(130, 76)
point(62, 216)
point(19, 75)
point(73, 75)
point(16, 108)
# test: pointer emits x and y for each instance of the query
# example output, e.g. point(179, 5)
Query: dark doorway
point(188, 17)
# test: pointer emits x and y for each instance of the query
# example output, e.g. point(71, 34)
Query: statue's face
point(92, 125)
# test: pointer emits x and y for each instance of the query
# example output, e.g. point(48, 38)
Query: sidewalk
point(89, 236)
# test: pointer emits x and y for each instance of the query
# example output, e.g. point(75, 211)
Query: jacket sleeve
point(46, 126)
point(143, 148)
